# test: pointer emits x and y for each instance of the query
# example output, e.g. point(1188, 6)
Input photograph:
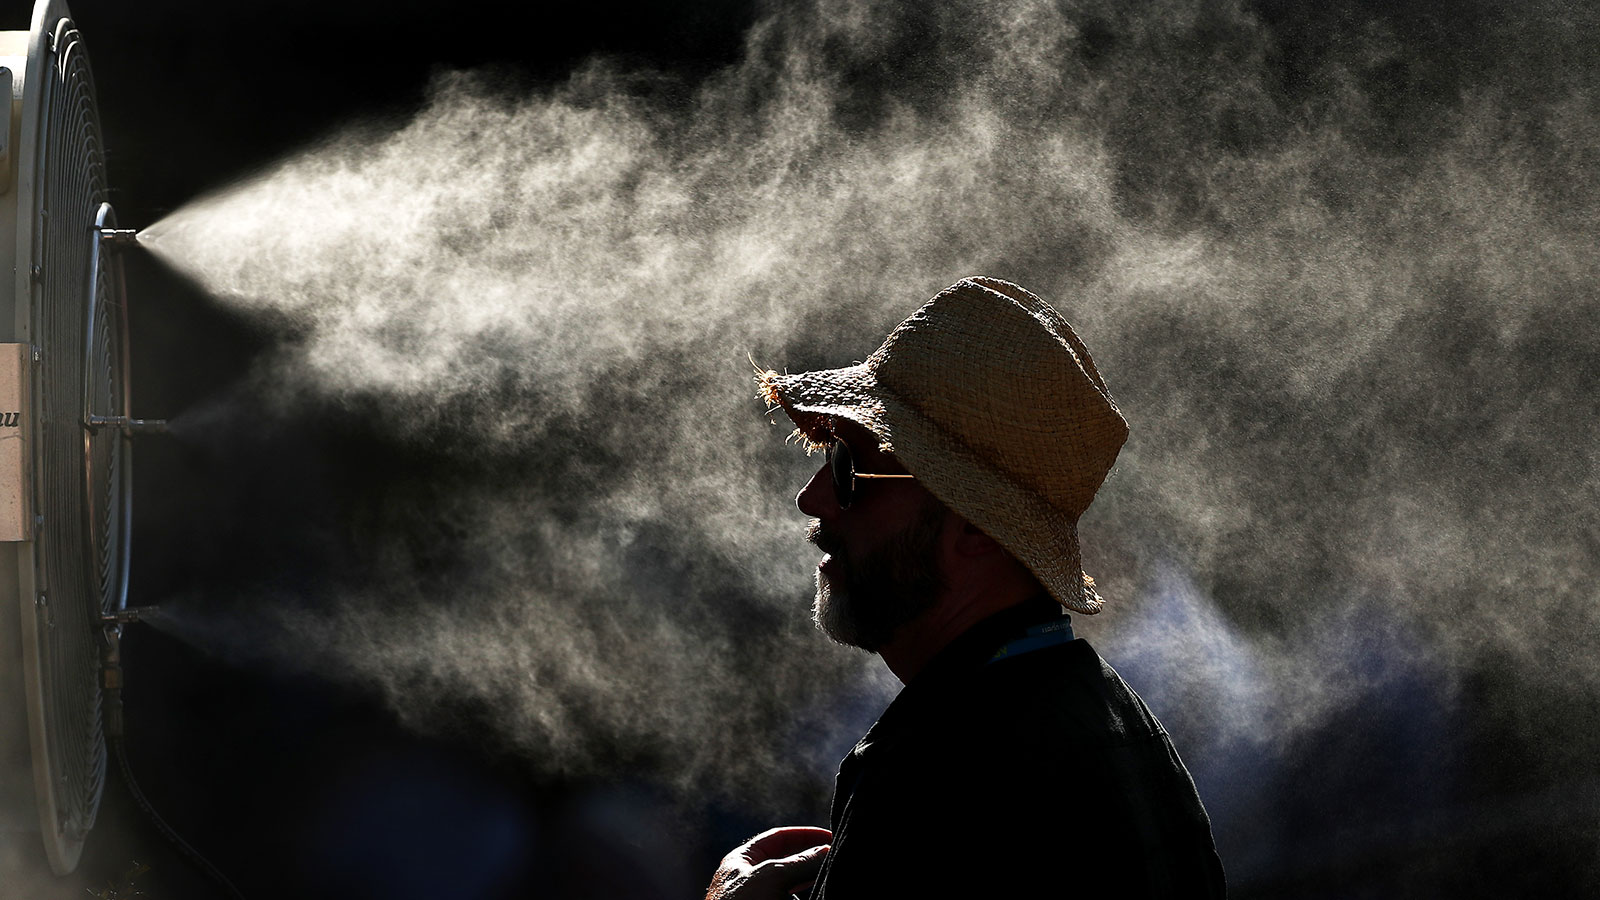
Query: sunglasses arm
point(871, 475)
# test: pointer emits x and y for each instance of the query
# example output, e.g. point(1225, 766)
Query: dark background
point(298, 787)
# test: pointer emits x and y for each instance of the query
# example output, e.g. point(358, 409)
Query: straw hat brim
point(1039, 535)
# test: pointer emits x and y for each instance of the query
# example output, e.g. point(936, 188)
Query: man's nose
point(817, 499)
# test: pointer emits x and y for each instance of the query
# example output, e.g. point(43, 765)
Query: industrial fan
point(64, 441)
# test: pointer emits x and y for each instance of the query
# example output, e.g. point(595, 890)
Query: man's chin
point(830, 612)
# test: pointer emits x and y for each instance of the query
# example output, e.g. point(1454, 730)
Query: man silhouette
point(1015, 762)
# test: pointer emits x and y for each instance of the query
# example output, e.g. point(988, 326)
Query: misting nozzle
point(128, 616)
point(133, 427)
point(120, 237)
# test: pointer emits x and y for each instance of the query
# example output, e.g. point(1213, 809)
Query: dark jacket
point(1039, 774)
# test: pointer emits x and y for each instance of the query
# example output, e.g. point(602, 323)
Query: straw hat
point(987, 396)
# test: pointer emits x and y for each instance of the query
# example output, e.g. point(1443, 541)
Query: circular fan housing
point(64, 479)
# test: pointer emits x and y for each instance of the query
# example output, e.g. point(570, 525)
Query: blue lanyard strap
point(1058, 631)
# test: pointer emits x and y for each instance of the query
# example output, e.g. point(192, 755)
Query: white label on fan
point(13, 443)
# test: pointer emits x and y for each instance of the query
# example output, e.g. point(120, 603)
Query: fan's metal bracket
point(111, 678)
point(6, 79)
point(115, 239)
point(111, 664)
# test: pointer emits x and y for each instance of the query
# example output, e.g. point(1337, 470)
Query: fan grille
point(79, 472)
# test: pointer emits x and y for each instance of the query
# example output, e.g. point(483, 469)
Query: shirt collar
point(971, 650)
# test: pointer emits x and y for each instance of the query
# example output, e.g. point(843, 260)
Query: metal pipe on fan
point(129, 425)
point(130, 615)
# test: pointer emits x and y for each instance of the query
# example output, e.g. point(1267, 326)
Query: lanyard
point(1058, 631)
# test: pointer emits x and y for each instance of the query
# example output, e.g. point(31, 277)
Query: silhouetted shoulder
point(1021, 762)
point(1068, 690)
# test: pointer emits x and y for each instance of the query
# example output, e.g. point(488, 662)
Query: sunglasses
point(843, 466)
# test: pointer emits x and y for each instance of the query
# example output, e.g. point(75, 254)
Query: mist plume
point(1340, 283)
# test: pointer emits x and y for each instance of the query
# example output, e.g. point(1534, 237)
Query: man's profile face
point(882, 565)
point(862, 599)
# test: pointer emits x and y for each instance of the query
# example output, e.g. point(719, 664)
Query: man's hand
point(772, 865)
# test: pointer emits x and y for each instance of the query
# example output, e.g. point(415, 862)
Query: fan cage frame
point(70, 315)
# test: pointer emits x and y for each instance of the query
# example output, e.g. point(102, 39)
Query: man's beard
point(869, 598)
